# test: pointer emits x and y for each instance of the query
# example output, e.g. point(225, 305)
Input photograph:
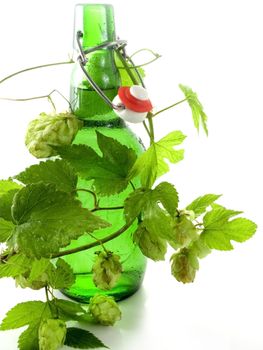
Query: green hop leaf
point(150, 244)
point(62, 276)
point(198, 113)
point(51, 130)
point(57, 172)
point(24, 282)
point(151, 164)
point(29, 338)
point(184, 232)
point(114, 166)
point(219, 230)
point(39, 267)
point(35, 277)
point(6, 228)
point(6, 201)
point(52, 334)
point(168, 196)
point(82, 339)
point(156, 227)
point(146, 202)
point(68, 310)
point(109, 171)
point(25, 314)
point(48, 219)
point(7, 191)
point(184, 266)
point(7, 185)
point(43, 272)
point(156, 220)
point(104, 310)
point(14, 266)
point(30, 313)
point(200, 204)
point(135, 203)
point(106, 270)
point(199, 248)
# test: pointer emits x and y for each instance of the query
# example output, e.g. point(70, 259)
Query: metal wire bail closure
point(82, 60)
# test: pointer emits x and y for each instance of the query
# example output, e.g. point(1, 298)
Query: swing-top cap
point(135, 98)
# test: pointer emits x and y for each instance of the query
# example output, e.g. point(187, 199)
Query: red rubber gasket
point(132, 102)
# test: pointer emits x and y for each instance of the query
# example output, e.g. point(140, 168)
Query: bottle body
point(98, 116)
point(133, 262)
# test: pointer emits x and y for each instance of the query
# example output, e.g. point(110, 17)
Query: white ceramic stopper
point(139, 92)
point(128, 115)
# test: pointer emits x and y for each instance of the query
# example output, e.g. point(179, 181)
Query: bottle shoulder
point(122, 133)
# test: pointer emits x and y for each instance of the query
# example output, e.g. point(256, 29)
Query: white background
point(216, 48)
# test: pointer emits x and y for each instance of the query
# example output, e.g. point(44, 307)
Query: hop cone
point(184, 266)
point(106, 270)
point(184, 232)
point(104, 310)
point(51, 334)
point(51, 130)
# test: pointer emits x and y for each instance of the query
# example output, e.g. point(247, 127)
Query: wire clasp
point(82, 60)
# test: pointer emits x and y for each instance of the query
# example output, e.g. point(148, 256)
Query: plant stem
point(58, 92)
point(90, 192)
point(96, 207)
point(106, 208)
point(171, 106)
point(126, 67)
point(38, 97)
point(150, 131)
point(143, 64)
point(149, 50)
point(132, 185)
point(94, 244)
point(36, 67)
point(46, 291)
point(178, 213)
point(24, 99)
point(52, 103)
point(51, 292)
point(147, 129)
point(99, 241)
point(150, 116)
point(199, 224)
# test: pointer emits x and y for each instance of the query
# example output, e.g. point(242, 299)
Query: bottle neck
point(96, 21)
point(98, 24)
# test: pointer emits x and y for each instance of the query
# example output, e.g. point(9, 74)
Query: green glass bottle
point(96, 21)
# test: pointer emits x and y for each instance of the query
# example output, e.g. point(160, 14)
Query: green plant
point(40, 214)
